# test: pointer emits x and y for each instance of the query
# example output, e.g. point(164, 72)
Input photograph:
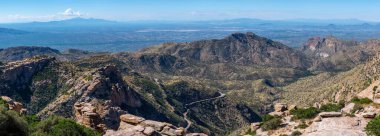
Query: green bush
point(273, 123)
point(58, 126)
point(88, 77)
point(267, 117)
point(3, 105)
point(296, 133)
point(373, 127)
point(302, 126)
point(31, 119)
point(304, 113)
point(357, 100)
point(250, 132)
point(12, 124)
point(331, 107)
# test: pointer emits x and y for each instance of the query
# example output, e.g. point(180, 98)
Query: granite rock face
point(17, 76)
point(342, 126)
point(13, 105)
point(132, 125)
point(98, 99)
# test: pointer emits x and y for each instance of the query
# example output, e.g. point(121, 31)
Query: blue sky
point(127, 10)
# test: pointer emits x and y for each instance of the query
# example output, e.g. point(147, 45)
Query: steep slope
point(22, 52)
point(332, 54)
point(332, 86)
point(237, 48)
point(236, 57)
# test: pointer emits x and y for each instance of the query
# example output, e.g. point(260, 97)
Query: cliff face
point(99, 97)
point(17, 76)
point(331, 54)
point(325, 47)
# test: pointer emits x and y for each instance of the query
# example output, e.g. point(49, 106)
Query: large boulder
point(131, 125)
point(132, 119)
point(196, 134)
point(13, 105)
point(348, 108)
point(280, 107)
point(330, 114)
point(369, 115)
point(340, 126)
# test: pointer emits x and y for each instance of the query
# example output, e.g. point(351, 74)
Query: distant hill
point(11, 31)
point(73, 23)
point(22, 52)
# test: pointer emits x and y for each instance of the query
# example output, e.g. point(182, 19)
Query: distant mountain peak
point(238, 48)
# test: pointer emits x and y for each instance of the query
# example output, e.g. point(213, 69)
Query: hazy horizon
point(195, 10)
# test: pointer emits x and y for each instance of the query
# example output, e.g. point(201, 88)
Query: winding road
point(221, 95)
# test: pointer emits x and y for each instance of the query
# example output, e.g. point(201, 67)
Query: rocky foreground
point(349, 121)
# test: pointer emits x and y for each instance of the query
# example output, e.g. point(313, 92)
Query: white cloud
point(70, 12)
point(66, 14)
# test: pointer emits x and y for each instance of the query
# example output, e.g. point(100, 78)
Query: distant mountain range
point(105, 35)
point(74, 22)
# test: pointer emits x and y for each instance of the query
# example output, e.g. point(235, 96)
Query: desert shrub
point(250, 132)
point(296, 133)
point(374, 88)
point(271, 123)
point(302, 126)
point(146, 84)
point(58, 126)
point(88, 77)
point(357, 100)
point(12, 124)
point(31, 119)
point(304, 113)
point(331, 107)
point(3, 105)
point(267, 117)
point(373, 127)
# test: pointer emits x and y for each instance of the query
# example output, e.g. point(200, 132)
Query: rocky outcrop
point(342, 126)
point(348, 108)
point(98, 98)
point(132, 125)
point(13, 105)
point(330, 114)
point(86, 114)
point(16, 77)
point(326, 123)
point(19, 74)
point(326, 47)
point(282, 109)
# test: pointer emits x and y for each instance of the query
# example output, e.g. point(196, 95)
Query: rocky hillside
point(23, 52)
point(209, 86)
point(332, 54)
point(237, 48)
